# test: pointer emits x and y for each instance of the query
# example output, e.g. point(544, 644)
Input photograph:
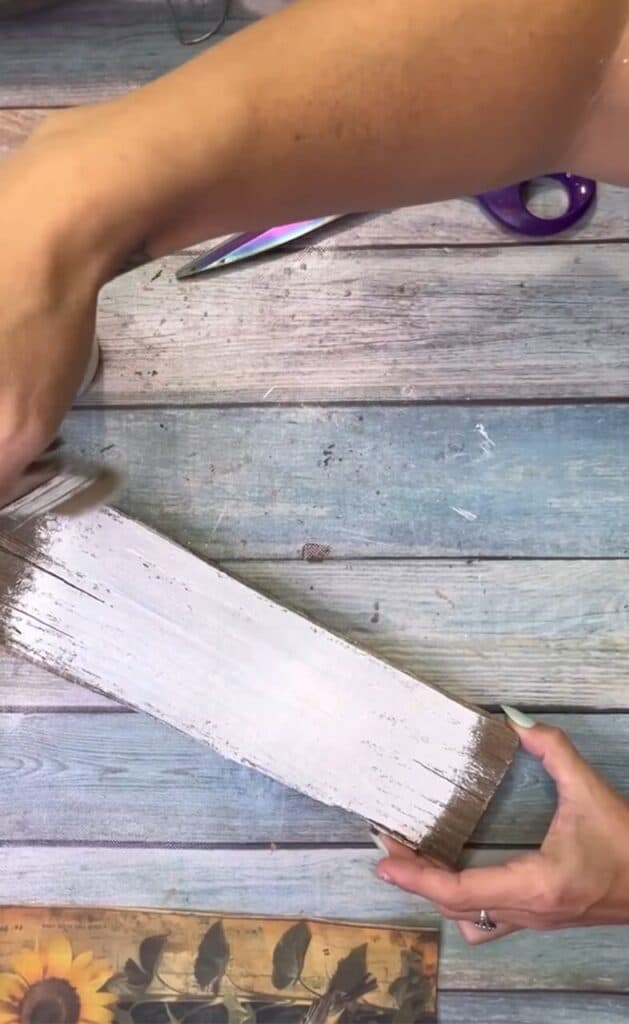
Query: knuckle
point(549, 895)
point(562, 897)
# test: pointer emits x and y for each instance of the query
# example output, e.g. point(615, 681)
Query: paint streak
point(487, 444)
point(464, 513)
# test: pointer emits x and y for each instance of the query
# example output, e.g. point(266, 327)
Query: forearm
point(330, 107)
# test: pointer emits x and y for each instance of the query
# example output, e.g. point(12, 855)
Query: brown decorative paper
point(77, 966)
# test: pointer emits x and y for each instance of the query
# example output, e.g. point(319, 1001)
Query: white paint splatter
point(218, 522)
point(487, 444)
point(463, 512)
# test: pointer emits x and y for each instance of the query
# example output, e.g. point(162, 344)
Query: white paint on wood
point(109, 603)
point(545, 632)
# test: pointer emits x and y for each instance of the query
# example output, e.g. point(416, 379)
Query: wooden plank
point(24, 686)
point(532, 1008)
point(364, 324)
point(250, 966)
point(458, 222)
point(532, 633)
point(79, 53)
point(405, 481)
point(110, 777)
point(324, 883)
point(109, 603)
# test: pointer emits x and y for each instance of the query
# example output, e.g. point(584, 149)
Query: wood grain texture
point(532, 1008)
point(531, 633)
point(367, 324)
point(126, 778)
point(325, 883)
point(108, 603)
point(374, 481)
point(81, 52)
point(454, 223)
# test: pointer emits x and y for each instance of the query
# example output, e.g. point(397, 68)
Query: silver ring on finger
point(485, 923)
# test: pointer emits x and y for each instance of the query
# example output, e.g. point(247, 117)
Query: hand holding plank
point(579, 877)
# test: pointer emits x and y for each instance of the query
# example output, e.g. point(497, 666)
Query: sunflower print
point(51, 986)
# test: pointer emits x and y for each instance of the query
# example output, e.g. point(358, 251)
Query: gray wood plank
point(377, 481)
point(111, 778)
point(367, 324)
point(81, 52)
point(324, 883)
point(23, 686)
point(533, 633)
point(458, 222)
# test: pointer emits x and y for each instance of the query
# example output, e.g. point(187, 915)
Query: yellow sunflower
point(49, 986)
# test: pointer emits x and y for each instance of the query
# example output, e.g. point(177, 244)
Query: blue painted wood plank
point(421, 481)
point(532, 1008)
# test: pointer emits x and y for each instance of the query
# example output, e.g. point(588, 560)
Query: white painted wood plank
point(376, 481)
point(367, 324)
point(109, 777)
point(326, 883)
point(535, 633)
point(109, 603)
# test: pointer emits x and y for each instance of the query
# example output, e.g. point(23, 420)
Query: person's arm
point(324, 107)
point(336, 107)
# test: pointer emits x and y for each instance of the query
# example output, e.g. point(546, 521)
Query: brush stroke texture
point(107, 602)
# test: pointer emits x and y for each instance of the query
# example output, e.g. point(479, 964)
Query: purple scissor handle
point(509, 206)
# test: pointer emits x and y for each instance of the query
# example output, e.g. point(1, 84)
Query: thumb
point(558, 755)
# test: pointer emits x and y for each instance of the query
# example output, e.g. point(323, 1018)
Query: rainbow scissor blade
point(249, 245)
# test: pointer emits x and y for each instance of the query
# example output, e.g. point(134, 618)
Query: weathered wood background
point(440, 407)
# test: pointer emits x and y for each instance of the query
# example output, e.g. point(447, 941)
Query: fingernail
point(518, 717)
point(384, 876)
point(379, 841)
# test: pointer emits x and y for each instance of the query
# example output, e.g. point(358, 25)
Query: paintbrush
point(57, 483)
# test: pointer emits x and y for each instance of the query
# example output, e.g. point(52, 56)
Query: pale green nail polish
point(518, 717)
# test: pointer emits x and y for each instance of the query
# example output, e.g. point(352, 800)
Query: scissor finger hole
point(546, 198)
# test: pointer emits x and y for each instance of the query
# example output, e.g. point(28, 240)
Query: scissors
point(507, 206)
